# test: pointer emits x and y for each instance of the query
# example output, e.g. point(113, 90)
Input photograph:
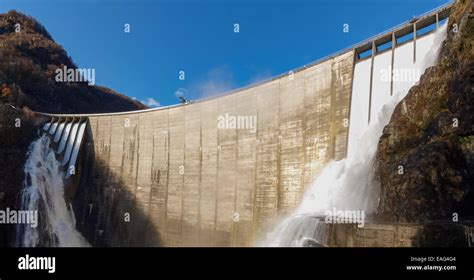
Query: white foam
point(349, 184)
point(43, 190)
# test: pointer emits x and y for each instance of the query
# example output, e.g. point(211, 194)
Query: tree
point(5, 90)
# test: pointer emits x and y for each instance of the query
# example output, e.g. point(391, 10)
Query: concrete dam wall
point(222, 171)
point(201, 185)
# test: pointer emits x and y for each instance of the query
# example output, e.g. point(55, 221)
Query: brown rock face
point(28, 60)
point(426, 153)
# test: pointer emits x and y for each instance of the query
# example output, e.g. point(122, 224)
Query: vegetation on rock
point(28, 60)
point(430, 136)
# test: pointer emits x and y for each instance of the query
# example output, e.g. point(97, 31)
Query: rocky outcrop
point(426, 153)
point(29, 58)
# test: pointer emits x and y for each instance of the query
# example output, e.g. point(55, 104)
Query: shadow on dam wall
point(203, 185)
point(107, 213)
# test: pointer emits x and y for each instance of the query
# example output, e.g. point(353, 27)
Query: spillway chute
point(67, 135)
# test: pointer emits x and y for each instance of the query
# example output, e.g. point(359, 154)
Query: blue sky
point(198, 37)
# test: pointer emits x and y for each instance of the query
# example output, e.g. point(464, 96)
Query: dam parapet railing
point(408, 27)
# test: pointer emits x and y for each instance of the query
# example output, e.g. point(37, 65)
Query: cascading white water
point(348, 184)
point(43, 190)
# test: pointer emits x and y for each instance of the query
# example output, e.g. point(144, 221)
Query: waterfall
point(348, 185)
point(43, 191)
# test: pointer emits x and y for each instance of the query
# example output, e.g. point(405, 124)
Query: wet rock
point(311, 243)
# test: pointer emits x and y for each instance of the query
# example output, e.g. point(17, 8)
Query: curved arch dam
point(222, 171)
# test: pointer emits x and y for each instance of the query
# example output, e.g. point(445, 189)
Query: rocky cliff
point(29, 58)
point(426, 154)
